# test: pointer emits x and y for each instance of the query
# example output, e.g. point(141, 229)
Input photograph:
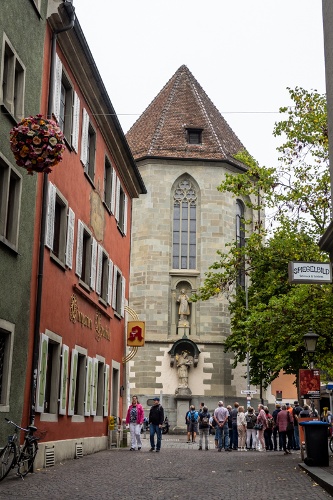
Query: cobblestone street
point(180, 470)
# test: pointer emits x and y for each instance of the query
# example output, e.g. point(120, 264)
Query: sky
point(243, 53)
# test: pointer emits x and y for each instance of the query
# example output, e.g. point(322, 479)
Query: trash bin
point(316, 443)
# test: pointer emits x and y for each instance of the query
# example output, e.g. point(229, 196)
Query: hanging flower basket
point(37, 144)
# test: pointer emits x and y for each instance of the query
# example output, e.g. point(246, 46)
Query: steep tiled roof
point(161, 130)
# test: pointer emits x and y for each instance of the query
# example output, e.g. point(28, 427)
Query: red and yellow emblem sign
point(136, 333)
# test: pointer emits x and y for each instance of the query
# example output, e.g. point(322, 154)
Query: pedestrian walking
point(192, 424)
point(282, 419)
point(134, 418)
point(296, 411)
point(156, 419)
point(221, 418)
point(203, 420)
point(241, 428)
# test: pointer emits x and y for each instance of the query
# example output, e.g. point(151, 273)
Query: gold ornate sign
point(77, 316)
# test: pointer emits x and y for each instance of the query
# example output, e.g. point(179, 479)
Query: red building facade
point(81, 289)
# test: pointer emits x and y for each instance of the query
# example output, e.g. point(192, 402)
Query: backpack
point(250, 420)
point(193, 416)
point(205, 420)
point(270, 422)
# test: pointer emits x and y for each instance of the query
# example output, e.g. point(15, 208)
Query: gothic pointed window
point(240, 240)
point(184, 226)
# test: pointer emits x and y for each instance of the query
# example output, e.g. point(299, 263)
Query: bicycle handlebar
point(15, 425)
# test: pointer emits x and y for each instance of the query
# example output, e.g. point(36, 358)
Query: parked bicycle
point(12, 455)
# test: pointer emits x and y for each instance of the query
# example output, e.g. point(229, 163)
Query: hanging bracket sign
point(310, 272)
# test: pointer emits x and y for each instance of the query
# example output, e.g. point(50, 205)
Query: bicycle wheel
point(27, 458)
point(7, 459)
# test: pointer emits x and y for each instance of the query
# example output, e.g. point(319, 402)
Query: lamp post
point(310, 341)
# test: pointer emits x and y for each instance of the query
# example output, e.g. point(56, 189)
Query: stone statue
point(184, 361)
point(184, 308)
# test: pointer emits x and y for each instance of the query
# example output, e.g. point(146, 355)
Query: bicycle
point(331, 443)
point(14, 455)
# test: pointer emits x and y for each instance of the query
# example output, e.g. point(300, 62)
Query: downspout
point(43, 223)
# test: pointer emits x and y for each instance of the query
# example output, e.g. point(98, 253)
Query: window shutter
point(93, 263)
point(125, 213)
point(113, 190)
point(42, 369)
point(106, 389)
point(75, 122)
point(57, 88)
point(117, 199)
point(109, 292)
point(99, 269)
point(94, 387)
point(72, 382)
point(114, 291)
point(87, 399)
point(63, 380)
point(70, 238)
point(51, 201)
point(123, 286)
point(79, 248)
point(84, 139)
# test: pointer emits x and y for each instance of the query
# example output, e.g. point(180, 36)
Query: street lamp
point(310, 341)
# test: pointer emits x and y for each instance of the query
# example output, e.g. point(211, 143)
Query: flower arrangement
point(37, 144)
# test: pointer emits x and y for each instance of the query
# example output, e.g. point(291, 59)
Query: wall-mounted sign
point(136, 333)
point(310, 272)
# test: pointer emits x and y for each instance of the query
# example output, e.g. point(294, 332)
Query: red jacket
point(140, 415)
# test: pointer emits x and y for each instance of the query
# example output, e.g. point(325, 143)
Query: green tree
point(297, 195)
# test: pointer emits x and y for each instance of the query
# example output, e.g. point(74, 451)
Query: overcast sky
point(243, 53)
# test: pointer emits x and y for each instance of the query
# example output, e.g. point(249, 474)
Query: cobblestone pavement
point(179, 471)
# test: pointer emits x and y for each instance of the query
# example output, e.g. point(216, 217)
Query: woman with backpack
point(203, 420)
point(251, 433)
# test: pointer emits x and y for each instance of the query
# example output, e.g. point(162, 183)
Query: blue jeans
point(155, 429)
point(296, 437)
point(223, 436)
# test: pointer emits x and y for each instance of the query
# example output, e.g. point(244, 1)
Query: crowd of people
point(234, 428)
point(242, 430)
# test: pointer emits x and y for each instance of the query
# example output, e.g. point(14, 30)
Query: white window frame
point(77, 383)
point(12, 95)
point(88, 145)
point(90, 263)
point(68, 116)
point(10, 204)
point(9, 330)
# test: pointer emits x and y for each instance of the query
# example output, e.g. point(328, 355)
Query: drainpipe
point(43, 220)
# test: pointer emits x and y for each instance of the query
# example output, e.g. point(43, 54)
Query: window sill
point(91, 182)
point(57, 261)
point(78, 418)
point(82, 293)
point(184, 272)
point(4, 408)
point(121, 230)
point(9, 245)
point(108, 209)
point(7, 112)
point(117, 315)
point(49, 417)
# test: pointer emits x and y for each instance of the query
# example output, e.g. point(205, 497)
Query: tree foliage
point(297, 194)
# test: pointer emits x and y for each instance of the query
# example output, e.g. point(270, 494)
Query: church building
point(183, 148)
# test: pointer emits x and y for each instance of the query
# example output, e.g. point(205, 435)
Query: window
point(121, 208)
point(184, 226)
point(240, 240)
point(88, 146)
point(59, 227)
point(118, 293)
point(52, 375)
point(80, 374)
point(6, 354)
point(86, 256)
point(10, 203)
point(66, 106)
point(104, 275)
point(13, 81)
point(194, 136)
point(110, 181)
